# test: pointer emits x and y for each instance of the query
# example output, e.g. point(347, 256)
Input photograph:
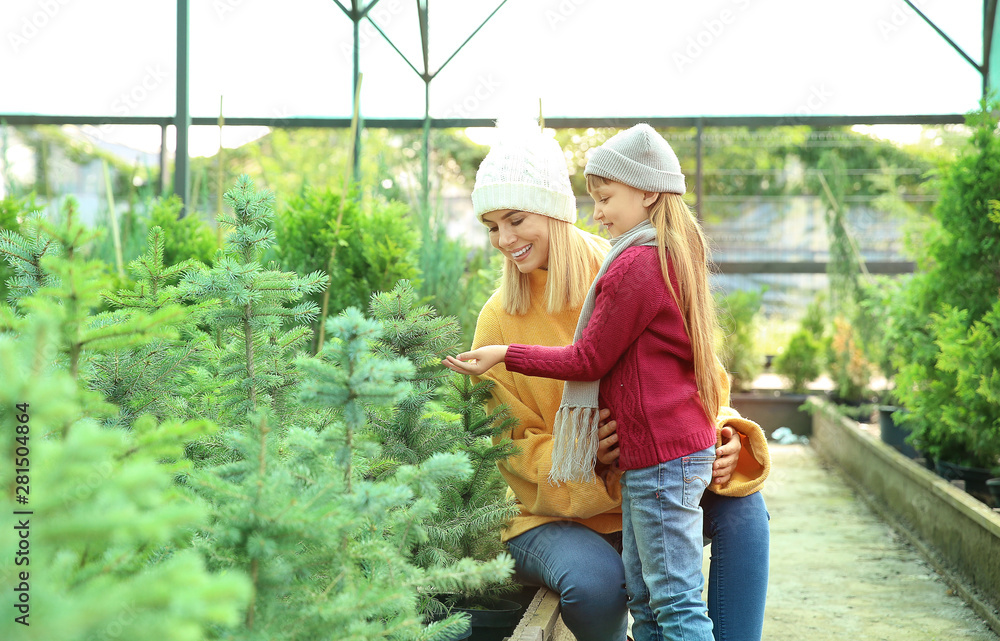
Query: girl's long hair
point(574, 258)
point(680, 237)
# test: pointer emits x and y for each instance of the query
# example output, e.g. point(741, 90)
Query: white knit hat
point(525, 170)
point(638, 157)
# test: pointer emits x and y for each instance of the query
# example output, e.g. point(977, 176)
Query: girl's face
point(520, 236)
point(620, 207)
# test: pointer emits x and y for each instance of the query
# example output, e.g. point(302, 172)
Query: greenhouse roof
point(584, 59)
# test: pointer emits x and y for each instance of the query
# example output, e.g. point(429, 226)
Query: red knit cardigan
point(636, 344)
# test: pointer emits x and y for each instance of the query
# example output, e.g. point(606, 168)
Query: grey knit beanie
point(638, 157)
point(525, 170)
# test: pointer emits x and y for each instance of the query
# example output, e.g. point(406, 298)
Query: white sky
point(582, 58)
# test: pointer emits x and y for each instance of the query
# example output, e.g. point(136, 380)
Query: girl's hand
point(477, 361)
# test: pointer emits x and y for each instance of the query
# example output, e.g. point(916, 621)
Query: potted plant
point(881, 305)
point(800, 361)
point(947, 358)
point(967, 439)
point(769, 408)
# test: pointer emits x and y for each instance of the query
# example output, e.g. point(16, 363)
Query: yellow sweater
point(534, 402)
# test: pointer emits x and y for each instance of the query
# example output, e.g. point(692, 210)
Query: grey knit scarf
point(574, 448)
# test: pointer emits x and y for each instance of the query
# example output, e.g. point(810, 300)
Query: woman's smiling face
point(521, 236)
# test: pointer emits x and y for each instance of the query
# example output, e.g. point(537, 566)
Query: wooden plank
point(540, 617)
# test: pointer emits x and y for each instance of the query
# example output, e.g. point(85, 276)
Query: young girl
point(644, 344)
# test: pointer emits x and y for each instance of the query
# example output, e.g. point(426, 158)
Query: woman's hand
point(478, 361)
point(607, 433)
point(727, 455)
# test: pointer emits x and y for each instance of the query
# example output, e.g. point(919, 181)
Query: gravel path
point(838, 572)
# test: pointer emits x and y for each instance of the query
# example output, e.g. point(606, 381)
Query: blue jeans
point(662, 547)
point(737, 572)
point(585, 568)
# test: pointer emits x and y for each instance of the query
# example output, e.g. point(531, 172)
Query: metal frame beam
point(804, 267)
point(182, 116)
point(449, 123)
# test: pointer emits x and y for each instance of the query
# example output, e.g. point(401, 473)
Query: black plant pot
point(459, 636)
point(993, 487)
point(975, 477)
point(892, 433)
point(859, 411)
point(494, 621)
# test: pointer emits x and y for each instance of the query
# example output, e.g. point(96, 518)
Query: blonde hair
point(679, 235)
point(574, 258)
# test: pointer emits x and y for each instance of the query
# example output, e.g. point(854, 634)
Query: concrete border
point(957, 534)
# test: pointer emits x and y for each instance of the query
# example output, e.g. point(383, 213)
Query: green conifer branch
point(260, 324)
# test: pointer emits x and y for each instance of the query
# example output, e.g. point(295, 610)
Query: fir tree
point(52, 279)
point(257, 335)
point(149, 379)
point(416, 428)
point(326, 549)
point(108, 552)
point(473, 510)
point(24, 254)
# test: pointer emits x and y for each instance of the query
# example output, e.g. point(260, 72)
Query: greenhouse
point(500, 320)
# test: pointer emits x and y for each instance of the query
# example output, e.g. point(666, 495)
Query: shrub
point(188, 238)
point(847, 363)
point(800, 362)
point(737, 318)
point(956, 286)
point(375, 244)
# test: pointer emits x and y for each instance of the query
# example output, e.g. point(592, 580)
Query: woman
point(568, 535)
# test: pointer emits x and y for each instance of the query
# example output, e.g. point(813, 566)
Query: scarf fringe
point(575, 443)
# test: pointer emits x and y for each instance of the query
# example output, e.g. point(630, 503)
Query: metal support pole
point(989, 19)
point(425, 196)
point(5, 183)
point(182, 117)
point(699, 191)
point(163, 161)
point(356, 16)
point(426, 76)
